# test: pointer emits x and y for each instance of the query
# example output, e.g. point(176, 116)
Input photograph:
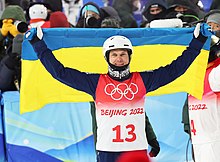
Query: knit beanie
point(13, 12)
point(58, 20)
point(215, 18)
point(90, 8)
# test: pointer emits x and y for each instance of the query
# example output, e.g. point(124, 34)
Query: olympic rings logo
point(122, 89)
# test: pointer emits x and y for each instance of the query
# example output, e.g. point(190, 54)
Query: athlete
point(204, 115)
point(119, 95)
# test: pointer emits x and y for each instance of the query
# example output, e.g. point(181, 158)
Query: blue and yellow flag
point(82, 49)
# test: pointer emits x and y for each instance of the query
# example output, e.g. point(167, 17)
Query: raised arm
point(71, 77)
point(167, 74)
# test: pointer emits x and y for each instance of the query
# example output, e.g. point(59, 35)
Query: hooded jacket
point(125, 12)
point(189, 16)
point(161, 3)
point(81, 21)
point(10, 57)
point(149, 17)
point(11, 12)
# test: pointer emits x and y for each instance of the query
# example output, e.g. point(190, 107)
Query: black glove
point(155, 147)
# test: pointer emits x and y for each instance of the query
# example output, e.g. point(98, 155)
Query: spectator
point(90, 16)
point(38, 14)
point(117, 51)
point(125, 9)
point(59, 20)
point(203, 115)
point(153, 10)
point(110, 12)
point(11, 37)
point(183, 9)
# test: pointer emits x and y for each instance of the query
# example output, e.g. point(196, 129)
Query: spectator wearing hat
point(13, 25)
point(153, 10)
point(186, 10)
point(214, 20)
point(90, 16)
point(111, 18)
point(125, 9)
point(59, 20)
point(110, 12)
point(37, 14)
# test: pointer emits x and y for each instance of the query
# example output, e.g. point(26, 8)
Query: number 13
point(130, 133)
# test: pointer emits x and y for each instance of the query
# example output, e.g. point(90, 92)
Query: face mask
point(151, 17)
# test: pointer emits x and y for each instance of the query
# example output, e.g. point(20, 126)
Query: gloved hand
point(203, 29)
point(6, 26)
point(9, 27)
point(14, 31)
point(34, 35)
point(155, 147)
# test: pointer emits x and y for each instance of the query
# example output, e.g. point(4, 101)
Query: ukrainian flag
point(82, 49)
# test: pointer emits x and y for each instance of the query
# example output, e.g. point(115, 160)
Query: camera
point(21, 26)
point(91, 21)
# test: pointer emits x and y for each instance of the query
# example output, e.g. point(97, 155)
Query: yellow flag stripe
point(41, 89)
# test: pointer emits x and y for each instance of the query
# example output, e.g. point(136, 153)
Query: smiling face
point(119, 57)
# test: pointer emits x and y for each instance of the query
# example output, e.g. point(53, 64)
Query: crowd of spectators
point(187, 10)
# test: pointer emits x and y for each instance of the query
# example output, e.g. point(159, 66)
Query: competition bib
point(204, 115)
point(120, 114)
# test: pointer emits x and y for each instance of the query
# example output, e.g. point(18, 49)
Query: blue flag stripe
point(84, 37)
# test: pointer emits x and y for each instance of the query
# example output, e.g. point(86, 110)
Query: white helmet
point(116, 42)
